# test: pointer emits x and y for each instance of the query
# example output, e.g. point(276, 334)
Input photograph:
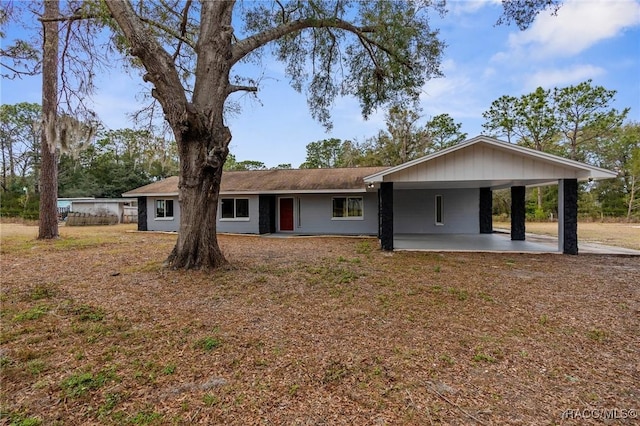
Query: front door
point(286, 214)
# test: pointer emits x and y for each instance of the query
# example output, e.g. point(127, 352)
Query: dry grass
point(310, 331)
point(614, 234)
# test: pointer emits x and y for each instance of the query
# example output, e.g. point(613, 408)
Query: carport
point(446, 195)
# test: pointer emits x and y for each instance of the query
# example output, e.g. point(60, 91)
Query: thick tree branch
point(158, 63)
point(248, 45)
point(235, 88)
point(214, 51)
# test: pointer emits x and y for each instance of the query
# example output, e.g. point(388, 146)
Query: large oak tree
point(378, 51)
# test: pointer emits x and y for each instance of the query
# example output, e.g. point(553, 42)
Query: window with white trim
point(234, 208)
point(348, 208)
point(439, 210)
point(164, 209)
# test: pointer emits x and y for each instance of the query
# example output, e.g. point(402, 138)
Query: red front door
point(286, 214)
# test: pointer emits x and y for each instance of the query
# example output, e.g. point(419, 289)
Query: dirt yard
point(312, 331)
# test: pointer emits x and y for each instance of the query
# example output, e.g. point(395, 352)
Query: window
point(439, 210)
point(347, 208)
point(164, 209)
point(234, 208)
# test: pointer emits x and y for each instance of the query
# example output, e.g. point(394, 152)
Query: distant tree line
point(404, 139)
point(576, 122)
point(111, 163)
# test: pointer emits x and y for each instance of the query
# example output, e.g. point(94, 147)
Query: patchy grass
point(80, 384)
point(309, 331)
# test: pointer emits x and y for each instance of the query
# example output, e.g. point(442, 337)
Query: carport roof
point(487, 162)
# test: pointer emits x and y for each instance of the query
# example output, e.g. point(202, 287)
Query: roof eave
point(150, 194)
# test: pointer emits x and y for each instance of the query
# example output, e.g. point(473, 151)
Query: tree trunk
point(48, 227)
point(12, 173)
point(539, 197)
point(4, 166)
point(202, 156)
point(632, 200)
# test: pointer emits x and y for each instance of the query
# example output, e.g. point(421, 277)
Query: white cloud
point(578, 25)
point(118, 96)
point(469, 6)
point(560, 77)
point(455, 95)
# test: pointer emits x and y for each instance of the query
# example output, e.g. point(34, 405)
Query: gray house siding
point(313, 215)
point(241, 226)
point(162, 224)
point(414, 211)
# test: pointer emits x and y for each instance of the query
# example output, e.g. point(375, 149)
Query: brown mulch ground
point(313, 331)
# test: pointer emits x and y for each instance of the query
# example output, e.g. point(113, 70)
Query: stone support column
point(142, 214)
point(266, 214)
point(386, 215)
point(486, 211)
point(568, 216)
point(518, 213)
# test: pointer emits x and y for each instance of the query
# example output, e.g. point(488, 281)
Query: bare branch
point(68, 18)
point(183, 28)
point(19, 73)
point(235, 88)
point(168, 30)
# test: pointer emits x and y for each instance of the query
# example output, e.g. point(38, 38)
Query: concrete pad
point(469, 242)
point(497, 242)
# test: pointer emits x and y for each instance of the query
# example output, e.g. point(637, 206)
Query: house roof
point(274, 181)
point(479, 162)
point(101, 200)
point(486, 162)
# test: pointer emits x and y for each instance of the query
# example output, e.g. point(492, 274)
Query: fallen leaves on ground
point(312, 331)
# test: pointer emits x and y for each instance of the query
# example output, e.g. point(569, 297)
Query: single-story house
point(448, 192)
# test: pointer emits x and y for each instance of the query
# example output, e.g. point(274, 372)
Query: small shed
point(125, 209)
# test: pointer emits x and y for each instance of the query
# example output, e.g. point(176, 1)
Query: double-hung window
point(234, 209)
point(164, 209)
point(348, 208)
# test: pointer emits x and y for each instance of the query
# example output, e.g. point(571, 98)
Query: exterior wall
point(414, 211)
point(243, 225)
point(313, 215)
point(162, 224)
point(97, 208)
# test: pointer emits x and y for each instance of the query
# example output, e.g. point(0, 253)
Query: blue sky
point(588, 39)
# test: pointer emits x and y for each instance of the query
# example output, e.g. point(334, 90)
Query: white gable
point(484, 161)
